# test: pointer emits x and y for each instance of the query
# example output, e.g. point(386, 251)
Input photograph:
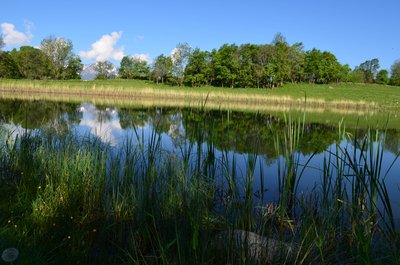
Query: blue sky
point(354, 31)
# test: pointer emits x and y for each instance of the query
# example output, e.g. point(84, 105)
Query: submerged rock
point(249, 245)
point(10, 254)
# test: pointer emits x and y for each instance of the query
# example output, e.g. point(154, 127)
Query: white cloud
point(104, 49)
point(142, 57)
point(14, 37)
point(140, 37)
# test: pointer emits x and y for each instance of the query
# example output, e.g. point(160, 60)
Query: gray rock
point(9, 255)
point(249, 245)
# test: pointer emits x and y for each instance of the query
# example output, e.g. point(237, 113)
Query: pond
point(276, 159)
point(233, 135)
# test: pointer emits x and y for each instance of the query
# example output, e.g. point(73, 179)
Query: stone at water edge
point(10, 254)
point(258, 248)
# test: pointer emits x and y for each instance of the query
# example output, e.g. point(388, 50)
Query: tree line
point(247, 65)
point(54, 59)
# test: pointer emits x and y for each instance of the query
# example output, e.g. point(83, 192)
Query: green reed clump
point(348, 216)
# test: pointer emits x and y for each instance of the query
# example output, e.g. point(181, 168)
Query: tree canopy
point(32, 63)
point(162, 68)
point(133, 68)
point(53, 60)
point(103, 69)
point(230, 65)
point(369, 68)
point(382, 77)
point(58, 50)
point(395, 73)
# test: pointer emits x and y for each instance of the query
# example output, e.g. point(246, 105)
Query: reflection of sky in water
point(103, 124)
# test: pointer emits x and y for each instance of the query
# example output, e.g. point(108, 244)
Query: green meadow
point(342, 95)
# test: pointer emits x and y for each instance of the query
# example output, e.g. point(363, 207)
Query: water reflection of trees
point(236, 131)
point(129, 118)
point(162, 120)
point(392, 141)
point(104, 114)
point(57, 116)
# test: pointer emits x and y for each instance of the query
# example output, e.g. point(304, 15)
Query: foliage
point(74, 68)
point(64, 61)
point(357, 76)
point(162, 68)
point(8, 67)
point(180, 57)
point(33, 63)
point(133, 68)
point(245, 66)
point(250, 65)
point(370, 69)
point(227, 64)
point(103, 70)
point(198, 71)
point(395, 73)
point(346, 73)
point(382, 77)
point(322, 67)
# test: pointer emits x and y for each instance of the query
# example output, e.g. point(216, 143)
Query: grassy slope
point(384, 96)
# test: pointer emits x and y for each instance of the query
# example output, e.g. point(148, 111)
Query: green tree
point(370, 68)
point(322, 67)
point(263, 69)
point(296, 62)
point(8, 67)
point(346, 73)
point(226, 63)
point(382, 77)
point(74, 68)
point(180, 58)
point(395, 73)
point(198, 69)
point(162, 68)
point(357, 75)
point(60, 52)
point(103, 69)
point(125, 70)
point(32, 63)
point(247, 60)
point(279, 38)
point(133, 68)
point(280, 65)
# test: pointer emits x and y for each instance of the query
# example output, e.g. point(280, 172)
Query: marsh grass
point(69, 199)
point(339, 98)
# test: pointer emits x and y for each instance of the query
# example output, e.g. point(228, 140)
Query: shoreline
point(210, 99)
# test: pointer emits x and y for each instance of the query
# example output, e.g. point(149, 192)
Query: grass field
point(346, 96)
